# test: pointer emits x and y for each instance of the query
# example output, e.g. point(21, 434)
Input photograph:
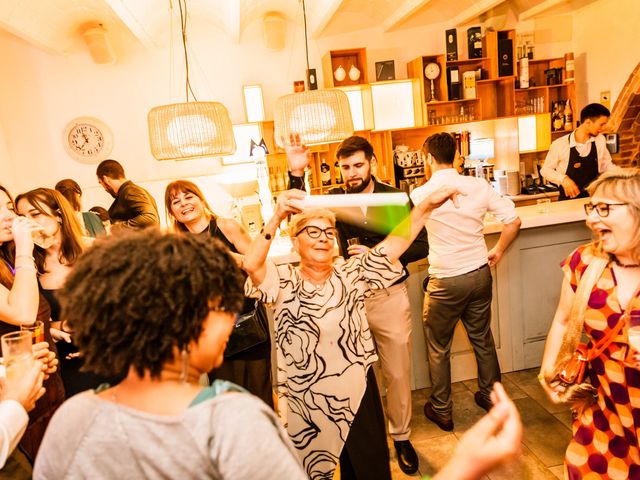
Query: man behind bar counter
point(459, 275)
point(576, 160)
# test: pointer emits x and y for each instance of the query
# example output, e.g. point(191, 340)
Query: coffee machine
point(408, 168)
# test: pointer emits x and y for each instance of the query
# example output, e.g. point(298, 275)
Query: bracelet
point(267, 236)
point(30, 267)
point(30, 257)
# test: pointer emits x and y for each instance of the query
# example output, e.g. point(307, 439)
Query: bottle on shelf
point(310, 178)
point(524, 72)
point(337, 172)
point(568, 116)
point(325, 173)
point(557, 118)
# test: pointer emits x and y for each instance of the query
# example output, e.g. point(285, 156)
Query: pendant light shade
point(318, 116)
point(187, 130)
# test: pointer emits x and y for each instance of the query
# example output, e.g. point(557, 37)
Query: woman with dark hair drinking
point(21, 304)
point(65, 243)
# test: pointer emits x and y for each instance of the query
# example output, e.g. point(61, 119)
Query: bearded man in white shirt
point(459, 285)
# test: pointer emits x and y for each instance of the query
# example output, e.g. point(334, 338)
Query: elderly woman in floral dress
point(327, 392)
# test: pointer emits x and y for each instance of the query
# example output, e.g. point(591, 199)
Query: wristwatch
point(267, 236)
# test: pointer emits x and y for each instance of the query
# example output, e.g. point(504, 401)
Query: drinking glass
point(16, 353)
point(633, 330)
point(543, 205)
point(353, 241)
point(36, 330)
point(41, 239)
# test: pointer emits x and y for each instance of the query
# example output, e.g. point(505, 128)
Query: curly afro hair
point(133, 299)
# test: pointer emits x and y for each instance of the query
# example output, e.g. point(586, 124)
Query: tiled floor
point(546, 430)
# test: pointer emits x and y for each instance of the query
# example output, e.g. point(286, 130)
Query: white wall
point(40, 93)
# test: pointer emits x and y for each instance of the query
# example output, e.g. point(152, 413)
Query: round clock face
point(432, 70)
point(88, 140)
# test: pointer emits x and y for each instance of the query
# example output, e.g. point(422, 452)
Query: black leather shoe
point(407, 456)
point(482, 402)
point(445, 422)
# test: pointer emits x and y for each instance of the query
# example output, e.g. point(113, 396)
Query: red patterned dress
point(605, 436)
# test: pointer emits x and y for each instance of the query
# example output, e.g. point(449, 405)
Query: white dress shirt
point(456, 241)
point(13, 423)
point(557, 160)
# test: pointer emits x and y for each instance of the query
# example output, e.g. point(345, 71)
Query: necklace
point(625, 265)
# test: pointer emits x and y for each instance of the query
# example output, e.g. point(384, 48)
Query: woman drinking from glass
point(21, 304)
point(64, 243)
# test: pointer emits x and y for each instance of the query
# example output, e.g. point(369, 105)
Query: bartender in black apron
point(582, 170)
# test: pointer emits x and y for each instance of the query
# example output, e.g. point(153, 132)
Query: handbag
point(248, 332)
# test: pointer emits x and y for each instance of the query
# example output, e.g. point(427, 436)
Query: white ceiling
point(56, 25)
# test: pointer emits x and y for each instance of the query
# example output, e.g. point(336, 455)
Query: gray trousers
point(465, 297)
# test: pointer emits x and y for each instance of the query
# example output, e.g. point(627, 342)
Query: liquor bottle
point(337, 172)
point(325, 173)
point(310, 178)
point(568, 116)
point(558, 117)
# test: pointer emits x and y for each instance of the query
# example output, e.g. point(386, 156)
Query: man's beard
point(359, 187)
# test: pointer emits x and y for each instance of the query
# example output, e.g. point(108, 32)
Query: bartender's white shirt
point(557, 160)
point(13, 423)
point(456, 241)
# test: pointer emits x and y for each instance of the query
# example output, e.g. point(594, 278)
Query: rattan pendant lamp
point(319, 116)
point(182, 131)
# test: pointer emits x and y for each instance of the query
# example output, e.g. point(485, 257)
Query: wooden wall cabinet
point(347, 59)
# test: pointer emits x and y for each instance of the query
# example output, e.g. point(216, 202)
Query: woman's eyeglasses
point(602, 209)
point(314, 232)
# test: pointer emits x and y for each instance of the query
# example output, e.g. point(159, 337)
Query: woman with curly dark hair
point(160, 307)
point(189, 212)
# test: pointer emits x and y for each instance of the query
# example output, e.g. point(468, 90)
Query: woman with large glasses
point(328, 397)
point(605, 433)
point(189, 212)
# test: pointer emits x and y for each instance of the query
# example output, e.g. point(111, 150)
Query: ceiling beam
point(540, 8)
point(322, 16)
point(402, 13)
point(475, 11)
point(133, 20)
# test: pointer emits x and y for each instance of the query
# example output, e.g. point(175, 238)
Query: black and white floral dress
point(324, 349)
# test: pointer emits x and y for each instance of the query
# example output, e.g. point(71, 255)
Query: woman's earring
point(185, 365)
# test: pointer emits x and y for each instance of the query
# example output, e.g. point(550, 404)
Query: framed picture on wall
point(385, 71)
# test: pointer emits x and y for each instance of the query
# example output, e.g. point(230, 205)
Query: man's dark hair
point(111, 169)
point(352, 145)
point(442, 147)
point(133, 300)
point(593, 111)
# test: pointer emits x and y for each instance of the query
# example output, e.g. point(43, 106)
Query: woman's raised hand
point(287, 203)
point(297, 154)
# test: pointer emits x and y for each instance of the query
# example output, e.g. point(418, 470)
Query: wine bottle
point(325, 172)
point(558, 117)
point(338, 172)
point(568, 116)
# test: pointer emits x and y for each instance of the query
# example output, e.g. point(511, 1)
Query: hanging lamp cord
point(183, 26)
point(306, 40)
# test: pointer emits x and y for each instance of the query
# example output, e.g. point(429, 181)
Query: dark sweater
point(134, 207)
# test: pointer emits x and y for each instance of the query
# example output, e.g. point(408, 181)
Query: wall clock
point(88, 140)
point(432, 71)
